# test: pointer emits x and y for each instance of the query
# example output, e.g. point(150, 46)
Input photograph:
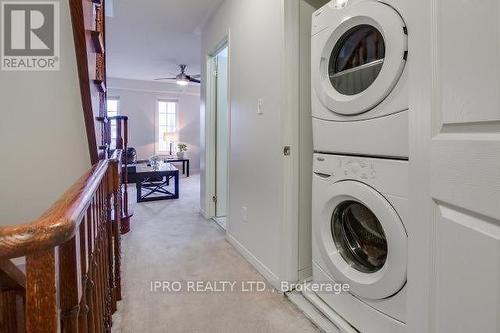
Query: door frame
point(211, 128)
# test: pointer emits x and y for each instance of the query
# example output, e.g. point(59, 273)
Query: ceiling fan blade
point(165, 78)
point(194, 80)
point(195, 76)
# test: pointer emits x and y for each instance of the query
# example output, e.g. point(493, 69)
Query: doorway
point(220, 64)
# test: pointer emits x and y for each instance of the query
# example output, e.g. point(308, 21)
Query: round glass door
point(356, 59)
point(359, 237)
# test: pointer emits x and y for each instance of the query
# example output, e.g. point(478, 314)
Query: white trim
point(272, 278)
point(210, 125)
point(333, 316)
point(422, 244)
point(315, 314)
point(204, 214)
point(289, 246)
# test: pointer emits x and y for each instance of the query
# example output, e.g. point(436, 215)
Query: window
point(167, 124)
point(113, 105)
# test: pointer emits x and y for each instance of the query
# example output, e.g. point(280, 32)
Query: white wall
point(138, 102)
point(256, 158)
point(43, 142)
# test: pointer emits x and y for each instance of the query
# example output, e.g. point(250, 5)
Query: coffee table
point(155, 181)
point(184, 161)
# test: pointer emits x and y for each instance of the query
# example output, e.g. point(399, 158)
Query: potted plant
point(181, 150)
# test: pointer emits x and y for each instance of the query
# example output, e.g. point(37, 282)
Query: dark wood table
point(185, 164)
point(156, 180)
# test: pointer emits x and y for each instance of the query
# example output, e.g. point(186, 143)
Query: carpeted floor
point(170, 241)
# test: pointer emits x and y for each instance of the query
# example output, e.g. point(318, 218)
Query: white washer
point(360, 238)
point(359, 78)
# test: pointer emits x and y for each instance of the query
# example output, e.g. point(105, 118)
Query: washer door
point(362, 240)
point(362, 60)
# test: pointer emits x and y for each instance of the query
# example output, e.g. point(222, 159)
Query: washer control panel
point(359, 168)
point(387, 176)
point(340, 167)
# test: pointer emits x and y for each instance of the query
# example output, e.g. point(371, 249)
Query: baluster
point(41, 298)
point(97, 267)
point(84, 308)
point(125, 227)
point(90, 275)
point(102, 266)
point(70, 284)
point(109, 238)
point(104, 215)
point(8, 311)
point(116, 227)
point(95, 263)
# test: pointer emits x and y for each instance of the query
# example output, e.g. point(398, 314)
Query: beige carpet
point(170, 241)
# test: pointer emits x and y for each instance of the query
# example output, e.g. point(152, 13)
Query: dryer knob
point(355, 168)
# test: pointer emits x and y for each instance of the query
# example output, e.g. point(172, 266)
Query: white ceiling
point(147, 39)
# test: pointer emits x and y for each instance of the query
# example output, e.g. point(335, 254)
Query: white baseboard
point(311, 312)
point(272, 278)
point(328, 312)
point(204, 214)
point(305, 273)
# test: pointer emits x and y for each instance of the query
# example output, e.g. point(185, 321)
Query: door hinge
point(214, 199)
point(287, 150)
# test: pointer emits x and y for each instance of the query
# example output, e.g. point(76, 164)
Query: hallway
point(171, 241)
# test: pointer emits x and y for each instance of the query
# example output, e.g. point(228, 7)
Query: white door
point(221, 159)
point(454, 249)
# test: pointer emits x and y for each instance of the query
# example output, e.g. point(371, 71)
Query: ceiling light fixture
point(182, 81)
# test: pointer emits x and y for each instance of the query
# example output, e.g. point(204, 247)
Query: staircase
point(71, 281)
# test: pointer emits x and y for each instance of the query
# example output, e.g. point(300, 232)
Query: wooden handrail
point(58, 224)
point(72, 251)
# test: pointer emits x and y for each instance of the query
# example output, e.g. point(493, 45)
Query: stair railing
point(72, 281)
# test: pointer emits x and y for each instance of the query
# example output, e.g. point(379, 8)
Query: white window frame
point(117, 99)
point(157, 124)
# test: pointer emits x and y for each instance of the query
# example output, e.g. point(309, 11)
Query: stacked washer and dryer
point(360, 181)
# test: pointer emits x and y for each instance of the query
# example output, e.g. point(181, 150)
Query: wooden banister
point(72, 280)
point(58, 224)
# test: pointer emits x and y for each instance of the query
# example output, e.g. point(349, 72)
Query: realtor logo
point(30, 36)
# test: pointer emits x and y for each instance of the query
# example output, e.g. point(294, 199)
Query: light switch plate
point(260, 106)
point(244, 211)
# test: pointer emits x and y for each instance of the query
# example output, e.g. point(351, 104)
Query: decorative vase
point(180, 154)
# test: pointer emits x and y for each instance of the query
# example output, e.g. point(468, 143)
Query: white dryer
point(359, 79)
point(360, 238)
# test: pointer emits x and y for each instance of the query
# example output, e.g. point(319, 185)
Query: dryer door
point(362, 240)
point(362, 60)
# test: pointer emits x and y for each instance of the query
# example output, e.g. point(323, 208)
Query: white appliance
point(359, 238)
point(359, 78)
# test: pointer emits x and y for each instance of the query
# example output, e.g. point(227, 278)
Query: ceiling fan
point(182, 79)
